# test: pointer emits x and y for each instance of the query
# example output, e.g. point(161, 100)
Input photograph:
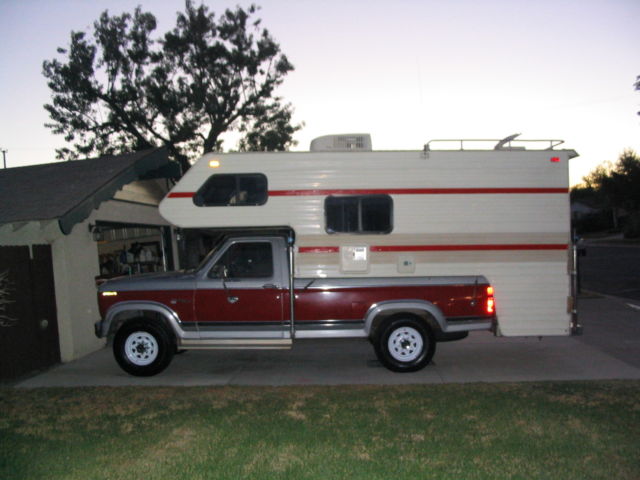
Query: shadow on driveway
point(609, 349)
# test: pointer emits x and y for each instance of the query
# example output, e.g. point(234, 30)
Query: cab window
point(245, 260)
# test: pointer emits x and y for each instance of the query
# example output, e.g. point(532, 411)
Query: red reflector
point(555, 159)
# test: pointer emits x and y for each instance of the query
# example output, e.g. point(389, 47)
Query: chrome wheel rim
point(405, 344)
point(141, 348)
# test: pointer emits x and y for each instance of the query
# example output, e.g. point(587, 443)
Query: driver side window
point(245, 260)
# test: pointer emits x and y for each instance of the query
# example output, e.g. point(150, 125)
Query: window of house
point(241, 189)
point(359, 214)
point(245, 260)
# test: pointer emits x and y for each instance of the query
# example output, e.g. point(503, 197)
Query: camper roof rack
point(499, 144)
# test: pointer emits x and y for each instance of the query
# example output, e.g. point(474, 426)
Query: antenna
point(4, 156)
point(500, 145)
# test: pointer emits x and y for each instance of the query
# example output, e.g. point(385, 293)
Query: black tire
point(405, 344)
point(451, 337)
point(143, 348)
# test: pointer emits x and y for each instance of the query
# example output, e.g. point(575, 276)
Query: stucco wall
point(126, 211)
point(82, 266)
point(75, 266)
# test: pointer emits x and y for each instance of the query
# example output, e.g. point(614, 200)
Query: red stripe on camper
point(318, 249)
point(398, 191)
point(475, 247)
point(445, 248)
point(415, 191)
point(181, 195)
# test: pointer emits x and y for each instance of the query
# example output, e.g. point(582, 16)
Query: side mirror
point(219, 271)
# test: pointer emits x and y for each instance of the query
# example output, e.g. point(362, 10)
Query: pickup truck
point(244, 294)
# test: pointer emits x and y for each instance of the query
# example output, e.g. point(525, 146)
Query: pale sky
point(404, 71)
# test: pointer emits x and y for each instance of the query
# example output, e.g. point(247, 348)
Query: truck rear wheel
point(405, 345)
point(143, 348)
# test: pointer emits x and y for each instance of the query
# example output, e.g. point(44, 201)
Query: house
point(64, 227)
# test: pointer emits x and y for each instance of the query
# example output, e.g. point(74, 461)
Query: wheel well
point(139, 315)
point(420, 315)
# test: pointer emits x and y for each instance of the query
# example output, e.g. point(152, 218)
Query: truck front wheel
point(405, 345)
point(143, 348)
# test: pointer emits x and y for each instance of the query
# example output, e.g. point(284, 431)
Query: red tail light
point(491, 303)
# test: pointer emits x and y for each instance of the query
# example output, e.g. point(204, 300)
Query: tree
point(270, 128)
point(618, 184)
point(121, 90)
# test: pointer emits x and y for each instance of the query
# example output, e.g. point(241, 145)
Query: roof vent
point(348, 142)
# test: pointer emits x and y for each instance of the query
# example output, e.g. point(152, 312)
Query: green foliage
point(121, 90)
point(595, 222)
point(632, 226)
point(614, 186)
point(566, 430)
point(625, 181)
point(270, 128)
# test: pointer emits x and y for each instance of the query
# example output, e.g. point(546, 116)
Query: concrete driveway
point(609, 349)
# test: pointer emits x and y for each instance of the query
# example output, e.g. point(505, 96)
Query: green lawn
point(563, 430)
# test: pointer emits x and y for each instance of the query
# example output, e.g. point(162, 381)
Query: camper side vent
point(350, 142)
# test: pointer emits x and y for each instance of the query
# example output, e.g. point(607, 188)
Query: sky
point(405, 71)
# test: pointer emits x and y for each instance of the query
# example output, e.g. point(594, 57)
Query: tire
point(451, 337)
point(143, 348)
point(405, 344)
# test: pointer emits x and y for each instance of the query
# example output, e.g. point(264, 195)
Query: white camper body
point(501, 213)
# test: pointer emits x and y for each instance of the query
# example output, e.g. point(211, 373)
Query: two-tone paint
point(205, 311)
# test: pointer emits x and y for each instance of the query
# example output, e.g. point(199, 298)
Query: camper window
point(222, 190)
point(359, 214)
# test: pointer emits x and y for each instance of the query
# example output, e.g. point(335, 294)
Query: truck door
point(242, 292)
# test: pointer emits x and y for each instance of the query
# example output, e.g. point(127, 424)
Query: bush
point(596, 222)
point(632, 226)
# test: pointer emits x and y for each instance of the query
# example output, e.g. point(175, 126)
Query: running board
point(240, 343)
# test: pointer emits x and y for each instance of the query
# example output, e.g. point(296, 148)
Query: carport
point(55, 221)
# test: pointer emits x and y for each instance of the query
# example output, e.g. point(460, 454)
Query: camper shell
point(405, 248)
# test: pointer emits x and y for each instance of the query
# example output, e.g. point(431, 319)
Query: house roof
point(69, 191)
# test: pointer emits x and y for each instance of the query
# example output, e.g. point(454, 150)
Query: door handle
point(270, 286)
point(232, 299)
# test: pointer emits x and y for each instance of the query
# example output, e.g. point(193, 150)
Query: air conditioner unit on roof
point(348, 142)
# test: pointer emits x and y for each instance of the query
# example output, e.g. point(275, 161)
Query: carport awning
point(69, 191)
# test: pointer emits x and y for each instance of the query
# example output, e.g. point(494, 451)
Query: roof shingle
point(68, 191)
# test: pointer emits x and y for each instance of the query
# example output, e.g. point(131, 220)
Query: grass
point(564, 430)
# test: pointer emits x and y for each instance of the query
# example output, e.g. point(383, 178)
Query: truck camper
point(404, 248)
